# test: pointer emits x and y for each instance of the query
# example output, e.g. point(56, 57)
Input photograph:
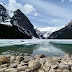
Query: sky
point(43, 13)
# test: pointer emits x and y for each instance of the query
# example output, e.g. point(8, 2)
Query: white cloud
point(56, 20)
point(62, 1)
point(70, 0)
point(26, 9)
point(36, 14)
point(49, 8)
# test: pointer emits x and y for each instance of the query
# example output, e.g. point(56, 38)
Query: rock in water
point(23, 24)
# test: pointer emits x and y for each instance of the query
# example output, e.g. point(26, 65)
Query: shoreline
point(38, 63)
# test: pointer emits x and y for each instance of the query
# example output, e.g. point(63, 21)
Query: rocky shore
point(38, 63)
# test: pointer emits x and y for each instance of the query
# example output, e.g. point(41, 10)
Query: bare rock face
point(23, 24)
point(3, 13)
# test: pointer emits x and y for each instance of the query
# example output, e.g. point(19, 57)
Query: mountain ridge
point(64, 33)
point(18, 21)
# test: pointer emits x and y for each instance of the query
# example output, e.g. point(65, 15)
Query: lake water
point(33, 46)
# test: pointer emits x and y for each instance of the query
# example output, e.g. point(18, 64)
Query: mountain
point(23, 23)
point(43, 34)
point(11, 32)
point(40, 34)
point(64, 33)
point(3, 13)
point(16, 27)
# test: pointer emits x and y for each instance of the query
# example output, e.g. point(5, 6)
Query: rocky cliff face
point(23, 23)
point(21, 27)
point(3, 13)
point(64, 33)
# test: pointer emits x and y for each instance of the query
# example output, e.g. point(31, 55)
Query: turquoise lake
point(33, 46)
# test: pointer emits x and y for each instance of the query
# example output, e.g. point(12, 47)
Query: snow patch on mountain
point(47, 31)
point(51, 29)
point(7, 22)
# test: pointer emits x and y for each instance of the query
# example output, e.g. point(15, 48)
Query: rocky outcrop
point(3, 13)
point(64, 33)
point(23, 23)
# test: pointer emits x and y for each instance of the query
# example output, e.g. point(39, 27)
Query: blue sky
point(44, 13)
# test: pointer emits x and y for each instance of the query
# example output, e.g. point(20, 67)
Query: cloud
point(56, 20)
point(26, 9)
point(36, 14)
point(62, 1)
point(70, 0)
point(59, 14)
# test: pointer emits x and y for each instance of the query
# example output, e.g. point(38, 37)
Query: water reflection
point(67, 48)
point(45, 48)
